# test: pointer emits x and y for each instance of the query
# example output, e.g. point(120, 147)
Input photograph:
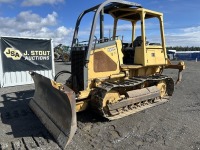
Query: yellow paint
point(56, 85)
point(148, 59)
point(83, 94)
point(81, 106)
point(13, 53)
point(113, 52)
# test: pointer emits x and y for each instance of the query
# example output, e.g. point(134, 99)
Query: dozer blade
point(55, 108)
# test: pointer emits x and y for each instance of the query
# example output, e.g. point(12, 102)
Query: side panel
point(77, 69)
point(139, 56)
point(155, 56)
point(104, 60)
point(101, 61)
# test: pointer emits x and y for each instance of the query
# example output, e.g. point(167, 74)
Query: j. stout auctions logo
point(13, 53)
point(33, 55)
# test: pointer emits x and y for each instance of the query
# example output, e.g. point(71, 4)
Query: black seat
point(129, 52)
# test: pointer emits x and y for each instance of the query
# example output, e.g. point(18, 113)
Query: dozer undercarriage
point(109, 76)
point(117, 100)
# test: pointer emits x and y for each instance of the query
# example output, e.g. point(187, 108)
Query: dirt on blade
point(173, 125)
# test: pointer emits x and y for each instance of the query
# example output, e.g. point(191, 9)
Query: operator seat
point(129, 52)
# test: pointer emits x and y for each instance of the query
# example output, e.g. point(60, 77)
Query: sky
point(56, 19)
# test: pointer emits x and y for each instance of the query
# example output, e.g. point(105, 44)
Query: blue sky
point(56, 19)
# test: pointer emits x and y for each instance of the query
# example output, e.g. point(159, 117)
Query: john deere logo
point(13, 53)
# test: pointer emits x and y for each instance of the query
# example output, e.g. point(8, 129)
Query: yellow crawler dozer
point(109, 76)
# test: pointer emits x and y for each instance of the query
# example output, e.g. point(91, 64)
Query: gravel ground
point(173, 125)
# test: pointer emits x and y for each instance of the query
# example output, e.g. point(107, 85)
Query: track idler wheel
point(162, 86)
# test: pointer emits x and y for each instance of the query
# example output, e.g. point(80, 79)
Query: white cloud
point(192, 29)
point(28, 21)
point(40, 2)
point(6, 1)
point(187, 37)
point(179, 37)
point(50, 19)
point(62, 31)
point(28, 24)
